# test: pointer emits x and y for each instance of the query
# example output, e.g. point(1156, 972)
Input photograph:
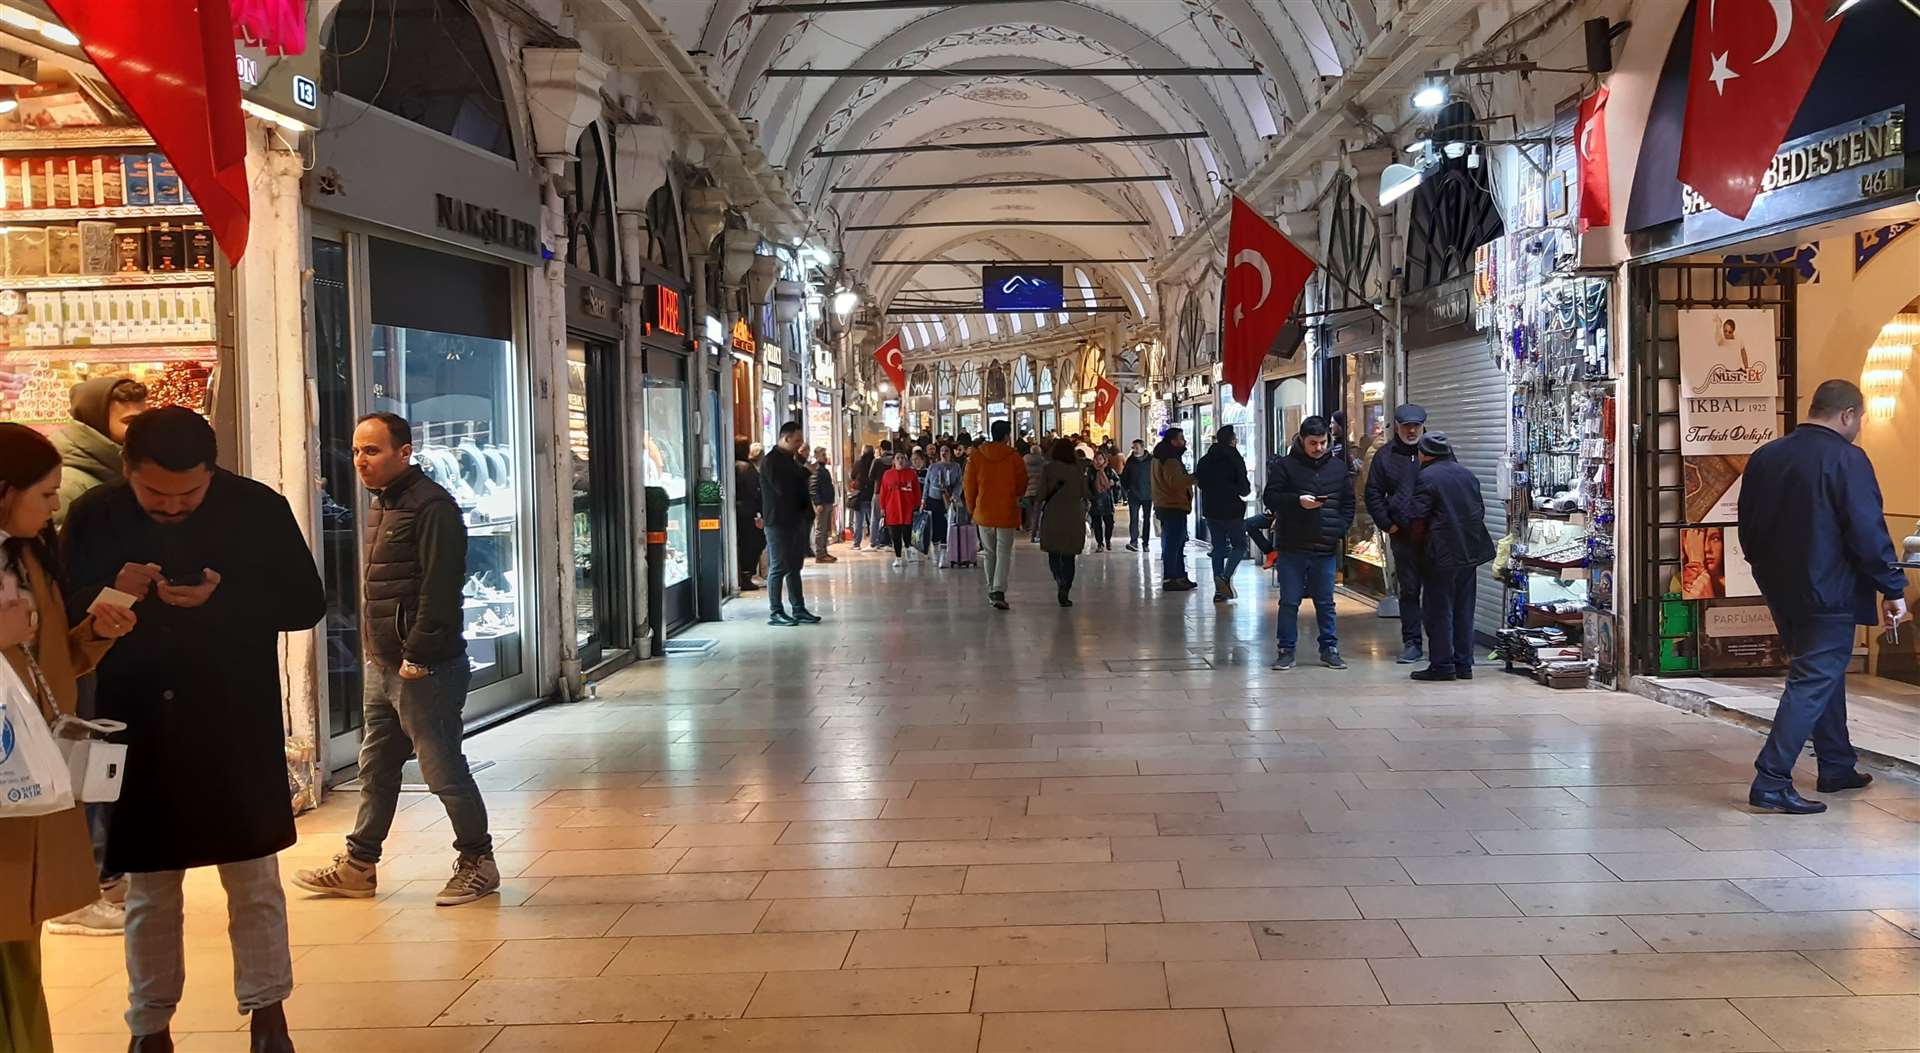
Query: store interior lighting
point(1431, 96)
point(844, 302)
point(9, 101)
point(1887, 364)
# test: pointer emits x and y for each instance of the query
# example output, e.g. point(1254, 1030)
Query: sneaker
point(781, 618)
point(897, 561)
point(116, 892)
point(1332, 660)
point(474, 877)
point(1267, 561)
point(99, 918)
point(1432, 675)
point(999, 601)
point(1412, 654)
point(345, 876)
point(1283, 662)
point(805, 616)
point(1131, 547)
point(1227, 583)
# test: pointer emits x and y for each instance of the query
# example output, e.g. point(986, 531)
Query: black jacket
point(1390, 486)
point(1221, 477)
point(859, 482)
point(415, 567)
point(1319, 531)
point(1447, 495)
point(820, 488)
point(199, 688)
point(877, 471)
point(1136, 478)
point(784, 485)
point(746, 492)
point(1813, 526)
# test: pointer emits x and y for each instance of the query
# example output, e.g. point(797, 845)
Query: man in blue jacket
point(1813, 526)
point(1389, 497)
point(1446, 496)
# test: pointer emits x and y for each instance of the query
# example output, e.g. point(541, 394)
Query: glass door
point(341, 497)
point(600, 589)
point(668, 466)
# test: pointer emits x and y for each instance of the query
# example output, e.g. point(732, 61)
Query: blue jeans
point(408, 717)
point(1813, 705)
point(1304, 574)
point(1173, 543)
point(859, 514)
point(1229, 545)
point(1447, 605)
point(1256, 528)
point(1406, 570)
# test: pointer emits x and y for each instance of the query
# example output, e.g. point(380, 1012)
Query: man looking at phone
point(1312, 504)
point(1813, 526)
point(218, 569)
point(417, 672)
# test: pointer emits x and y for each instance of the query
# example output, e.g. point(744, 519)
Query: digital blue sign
point(1017, 288)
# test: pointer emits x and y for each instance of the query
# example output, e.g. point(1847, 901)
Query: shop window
point(590, 241)
point(424, 60)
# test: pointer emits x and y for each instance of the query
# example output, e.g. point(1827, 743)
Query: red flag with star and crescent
point(1752, 66)
point(1105, 395)
point(1596, 183)
point(1265, 274)
point(891, 360)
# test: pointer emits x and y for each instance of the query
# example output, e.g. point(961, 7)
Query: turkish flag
point(1105, 395)
point(172, 61)
point(1751, 70)
point(1596, 185)
point(890, 359)
point(1265, 274)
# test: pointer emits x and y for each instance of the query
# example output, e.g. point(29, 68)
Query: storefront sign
point(743, 337)
point(1739, 634)
point(489, 225)
point(595, 303)
point(663, 310)
point(1857, 161)
point(772, 354)
point(279, 67)
point(714, 331)
point(823, 366)
point(1729, 377)
point(773, 374)
point(1188, 388)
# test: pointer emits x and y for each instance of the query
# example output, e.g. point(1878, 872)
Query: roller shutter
point(1465, 394)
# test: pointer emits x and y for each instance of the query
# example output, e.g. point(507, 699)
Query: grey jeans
point(408, 717)
point(156, 942)
point(822, 529)
point(996, 556)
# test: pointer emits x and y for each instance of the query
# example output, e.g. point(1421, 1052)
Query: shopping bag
point(33, 775)
point(94, 765)
point(920, 530)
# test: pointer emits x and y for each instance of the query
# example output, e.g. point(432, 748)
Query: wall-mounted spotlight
point(1431, 95)
point(1397, 181)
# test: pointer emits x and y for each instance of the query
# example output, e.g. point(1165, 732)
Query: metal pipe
point(1098, 309)
point(1010, 144)
point(997, 262)
point(949, 72)
point(889, 187)
point(815, 7)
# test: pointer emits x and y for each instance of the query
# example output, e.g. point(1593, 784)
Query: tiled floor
point(1884, 714)
point(928, 826)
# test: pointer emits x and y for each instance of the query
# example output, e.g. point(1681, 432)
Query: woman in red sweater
point(899, 500)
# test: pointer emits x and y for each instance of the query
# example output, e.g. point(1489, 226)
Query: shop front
point(1353, 381)
point(420, 309)
point(666, 447)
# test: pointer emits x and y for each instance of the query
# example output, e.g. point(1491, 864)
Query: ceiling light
point(1431, 96)
point(9, 101)
point(1397, 181)
point(59, 34)
point(844, 302)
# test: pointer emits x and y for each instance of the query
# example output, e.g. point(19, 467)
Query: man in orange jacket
point(995, 482)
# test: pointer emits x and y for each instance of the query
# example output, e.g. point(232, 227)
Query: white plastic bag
point(34, 779)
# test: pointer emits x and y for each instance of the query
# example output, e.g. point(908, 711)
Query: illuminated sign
point(665, 304)
point(1022, 288)
point(743, 337)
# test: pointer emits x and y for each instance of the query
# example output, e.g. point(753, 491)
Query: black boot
point(270, 1030)
point(158, 1042)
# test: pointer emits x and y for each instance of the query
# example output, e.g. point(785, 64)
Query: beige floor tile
point(890, 772)
point(390, 1003)
point(1332, 939)
point(842, 914)
point(1402, 1029)
point(1181, 942)
point(1334, 821)
point(1072, 877)
point(1073, 826)
point(975, 787)
point(543, 959)
point(1047, 988)
point(1034, 850)
point(580, 839)
point(1437, 937)
point(579, 1038)
point(749, 953)
point(1199, 985)
point(1224, 846)
point(1842, 862)
point(1692, 1026)
point(954, 807)
point(1731, 974)
point(370, 962)
point(1693, 865)
point(1871, 972)
point(604, 861)
point(1033, 908)
point(926, 948)
point(824, 791)
point(729, 858)
point(813, 811)
point(642, 888)
point(1548, 842)
point(1123, 803)
point(1881, 1022)
point(1484, 870)
point(1203, 824)
point(1121, 1031)
point(1257, 904)
point(722, 834)
point(1440, 981)
point(857, 830)
point(1433, 901)
point(864, 992)
point(861, 1034)
point(658, 815)
point(895, 881)
point(1285, 873)
point(1890, 892)
point(430, 924)
point(1813, 931)
point(1330, 846)
point(338, 1040)
point(681, 918)
point(1630, 897)
point(603, 999)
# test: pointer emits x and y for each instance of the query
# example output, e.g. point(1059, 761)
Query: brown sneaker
point(474, 877)
point(345, 876)
point(102, 917)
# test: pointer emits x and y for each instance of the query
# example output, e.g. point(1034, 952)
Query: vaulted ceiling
point(1293, 45)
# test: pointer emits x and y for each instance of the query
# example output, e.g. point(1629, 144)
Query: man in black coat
point(748, 530)
point(221, 570)
point(1813, 526)
point(1136, 481)
point(1221, 477)
point(820, 491)
point(1389, 499)
point(787, 507)
point(1446, 497)
point(1311, 499)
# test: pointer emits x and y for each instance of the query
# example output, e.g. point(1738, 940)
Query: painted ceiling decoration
point(1284, 52)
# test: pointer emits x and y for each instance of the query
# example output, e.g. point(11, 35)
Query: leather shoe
point(1431, 675)
point(781, 618)
point(805, 616)
point(1463, 674)
point(269, 1031)
point(1852, 780)
point(1786, 800)
point(158, 1042)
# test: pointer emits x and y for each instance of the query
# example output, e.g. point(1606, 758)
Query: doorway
point(602, 593)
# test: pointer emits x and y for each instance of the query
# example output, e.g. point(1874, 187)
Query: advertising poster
point(1739, 635)
point(1713, 487)
point(1713, 566)
point(1729, 377)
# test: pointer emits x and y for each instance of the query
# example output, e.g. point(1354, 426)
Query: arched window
point(663, 229)
point(424, 60)
point(590, 244)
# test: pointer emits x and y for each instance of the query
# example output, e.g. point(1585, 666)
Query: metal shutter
point(1465, 395)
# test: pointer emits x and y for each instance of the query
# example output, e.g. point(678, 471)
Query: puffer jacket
point(995, 481)
point(1318, 531)
point(1172, 486)
point(1221, 476)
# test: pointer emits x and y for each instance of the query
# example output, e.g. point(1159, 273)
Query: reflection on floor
point(926, 826)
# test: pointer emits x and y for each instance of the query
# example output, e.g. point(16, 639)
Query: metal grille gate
point(1660, 292)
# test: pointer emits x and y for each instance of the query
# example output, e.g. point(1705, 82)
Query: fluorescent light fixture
point(1420, 146)
point(9, 101)
point(273, 117)
point(59, 34)
point(1397, 181)
point(1431, 96)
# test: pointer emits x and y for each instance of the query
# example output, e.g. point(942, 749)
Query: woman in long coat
point(1063, 514)
point(46, 861)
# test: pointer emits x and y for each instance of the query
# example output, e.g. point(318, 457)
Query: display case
point(666, 467)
